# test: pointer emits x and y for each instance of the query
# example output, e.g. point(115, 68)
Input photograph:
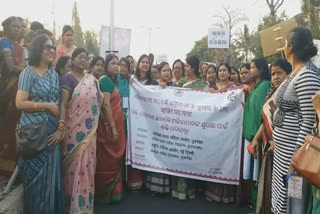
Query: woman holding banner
point(222, 192)
point(178, 71)
point(279, 71)
point(111, 141)
point(183, 188)
point(158, 182)
point(212, 77)
point(143, 74)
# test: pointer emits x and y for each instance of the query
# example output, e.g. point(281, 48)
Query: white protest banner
point(185, 132)
point(218, 38)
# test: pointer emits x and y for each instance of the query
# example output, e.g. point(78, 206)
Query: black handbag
point(31, 139)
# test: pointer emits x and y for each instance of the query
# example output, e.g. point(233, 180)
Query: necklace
point(296, 70)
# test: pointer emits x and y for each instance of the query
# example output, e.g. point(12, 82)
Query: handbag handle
point(315, 128)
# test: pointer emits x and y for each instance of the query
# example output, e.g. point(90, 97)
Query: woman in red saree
point(111, 136)
point(12, 64)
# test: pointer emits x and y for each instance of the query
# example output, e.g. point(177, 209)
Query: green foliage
point(311, 11)
point(267, 21)
point(217, 56)
point(78, 35)
point(91, 42)
point(245, 43)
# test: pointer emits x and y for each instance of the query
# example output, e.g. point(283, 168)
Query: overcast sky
point(176, 24)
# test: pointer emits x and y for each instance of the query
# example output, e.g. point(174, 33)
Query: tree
point(267, 21)
point(78, 35)
point(217, 56)
point(245, 43)
point(230, 20)
point(54, 33)
point(311, 12)
point(274, 5)
point(91, 42)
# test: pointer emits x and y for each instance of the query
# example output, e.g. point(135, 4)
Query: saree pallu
point(79, 146)
point(42, 179)
point(110, 154)
point(265, 178)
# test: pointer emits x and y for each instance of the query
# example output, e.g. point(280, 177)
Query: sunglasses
point(49, 48)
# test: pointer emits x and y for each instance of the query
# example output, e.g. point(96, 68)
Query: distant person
point(36, 27)
point(67, 47)
point(212, 77)
point(28, 39)
point(203, 69)
point(165, 75)
point(235, 75)
point(123, 85)
point(178, 71)
point(132, 64)
point(155, 73)
point(151, 57)
point(97, 66)
point(63, 65)
point(23, 30)
point(45, 31)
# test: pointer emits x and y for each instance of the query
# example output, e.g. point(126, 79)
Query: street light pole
point(111, 45)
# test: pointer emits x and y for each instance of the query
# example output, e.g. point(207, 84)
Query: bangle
point(61, 121)
point(35, 106)
point(61, 128)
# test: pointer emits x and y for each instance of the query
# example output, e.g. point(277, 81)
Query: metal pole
point(111, 47)
point(150, 30)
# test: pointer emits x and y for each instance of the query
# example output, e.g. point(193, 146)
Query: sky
point(171, 26)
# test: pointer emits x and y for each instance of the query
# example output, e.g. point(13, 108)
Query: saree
point(222, 193)
point(10, 116)
point(265, 178)
point(185, 187)
point(136, 176)
point(110, 154)
point(79, 145)
point(41, 175)
point(62, 51)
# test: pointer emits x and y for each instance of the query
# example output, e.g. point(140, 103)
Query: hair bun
point(311, 51)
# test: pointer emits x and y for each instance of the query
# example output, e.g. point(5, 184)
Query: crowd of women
point(83, 102)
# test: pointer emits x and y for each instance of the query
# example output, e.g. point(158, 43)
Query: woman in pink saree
point(67, 47)
point(79, 111)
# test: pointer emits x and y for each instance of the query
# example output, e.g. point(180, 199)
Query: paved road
point(144, 202)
